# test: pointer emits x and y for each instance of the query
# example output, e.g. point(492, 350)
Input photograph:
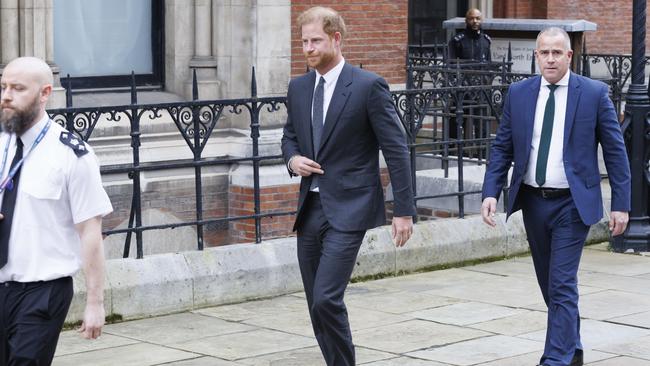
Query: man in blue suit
point(550, 129)
point(337, 118)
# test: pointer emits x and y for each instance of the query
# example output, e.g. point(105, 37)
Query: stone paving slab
point(613, 263)
point(405, 361)
point(139, 354)
point(236, 346)
point(530, 359)
point(466, 313)
point(175, 328)
point(637, 348)
point(635, 320)
point(611, 304)
point(597, 334)
point(412, 335)
point(395, 302)
point(622, 361)
point(636, 284)
point(480, 350)
point(311, 356)
point(490, 314)
point(203, 361)
point(253, 309)
point(525, 322)
point(498, 290)
point(71, 342)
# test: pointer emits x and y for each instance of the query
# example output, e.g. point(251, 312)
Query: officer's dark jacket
point(470, 45)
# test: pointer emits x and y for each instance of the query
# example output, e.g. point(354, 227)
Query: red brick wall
point(272, 199)
point(613, 17)
point(179, 202)
point(532, 9)
point(377, 35)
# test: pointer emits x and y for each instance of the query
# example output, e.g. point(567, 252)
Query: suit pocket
point(359, 181)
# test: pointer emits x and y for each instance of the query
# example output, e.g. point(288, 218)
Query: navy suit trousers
point(326, 257)
point(556, 235)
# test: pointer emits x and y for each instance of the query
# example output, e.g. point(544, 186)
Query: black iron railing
point(429, 115)
point(617, 70)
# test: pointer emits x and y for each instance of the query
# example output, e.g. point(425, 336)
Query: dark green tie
point(545, 139)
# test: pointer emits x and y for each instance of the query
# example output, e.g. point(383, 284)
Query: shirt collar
point(30, 135)
point(564, 81)
point(332, 75)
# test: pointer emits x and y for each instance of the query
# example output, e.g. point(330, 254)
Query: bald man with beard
point(52, 204)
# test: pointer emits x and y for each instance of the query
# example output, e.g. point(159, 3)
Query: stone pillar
point(9, 29)
point(44, 47)
point(26, 27)
point(203, 62)
point(179, 44)
point(273, 47)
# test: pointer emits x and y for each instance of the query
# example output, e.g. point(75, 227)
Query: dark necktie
point(317, 123)
point(8, 204)
point(545, 139)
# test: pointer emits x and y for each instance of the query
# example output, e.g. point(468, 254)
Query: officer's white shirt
point(555, 175)
point(56, 190)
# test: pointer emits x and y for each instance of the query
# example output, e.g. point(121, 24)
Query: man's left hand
point(402, 230)
point(91, 328)
point(618, 222)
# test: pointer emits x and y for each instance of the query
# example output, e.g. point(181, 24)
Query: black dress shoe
point(577, 358)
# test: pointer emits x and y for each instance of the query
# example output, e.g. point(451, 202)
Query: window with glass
point(99, 43)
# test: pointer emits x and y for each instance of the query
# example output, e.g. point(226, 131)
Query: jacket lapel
point(339, 99)
point(529, 112)
point(573, 97)
point(305, 113)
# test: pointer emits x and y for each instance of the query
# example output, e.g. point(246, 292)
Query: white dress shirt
point(331, 77)
point(56, 190)
point(555, 175)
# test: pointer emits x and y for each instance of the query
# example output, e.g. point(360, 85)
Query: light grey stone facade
point(221, 39)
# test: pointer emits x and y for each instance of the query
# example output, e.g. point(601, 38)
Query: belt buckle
point(546, 194)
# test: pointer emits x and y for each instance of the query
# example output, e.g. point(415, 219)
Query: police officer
point(471, 43)
point(50, 222)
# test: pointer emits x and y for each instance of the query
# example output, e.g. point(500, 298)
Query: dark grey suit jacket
point(360, 118)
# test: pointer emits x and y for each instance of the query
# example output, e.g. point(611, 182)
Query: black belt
point(25, 285)
point(547, 193)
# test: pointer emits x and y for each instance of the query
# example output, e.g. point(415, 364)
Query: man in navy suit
point(338, 118)
point(550, 129)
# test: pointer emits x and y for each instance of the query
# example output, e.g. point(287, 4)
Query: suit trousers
point(556, 235)
point(326, 258)
point(31, 319)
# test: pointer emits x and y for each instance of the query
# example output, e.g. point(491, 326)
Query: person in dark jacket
point(471, 43)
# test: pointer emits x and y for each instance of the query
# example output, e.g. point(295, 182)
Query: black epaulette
point(76, 144)
point(458, 37)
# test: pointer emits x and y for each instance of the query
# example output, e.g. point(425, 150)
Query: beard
point(325, 58)
point(21, 119)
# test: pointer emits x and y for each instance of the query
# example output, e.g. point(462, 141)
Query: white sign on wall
point(522, 52)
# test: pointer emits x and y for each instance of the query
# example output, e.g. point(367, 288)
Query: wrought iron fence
point(428, 114)
point(195, 121)
point(617, 73)
point(449, 110)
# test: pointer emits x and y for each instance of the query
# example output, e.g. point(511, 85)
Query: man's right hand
point(304, 167)
point(488, 209)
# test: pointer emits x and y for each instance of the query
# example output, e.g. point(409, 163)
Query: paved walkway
point(489, 314)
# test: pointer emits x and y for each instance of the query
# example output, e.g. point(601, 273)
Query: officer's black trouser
point(31, 318)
